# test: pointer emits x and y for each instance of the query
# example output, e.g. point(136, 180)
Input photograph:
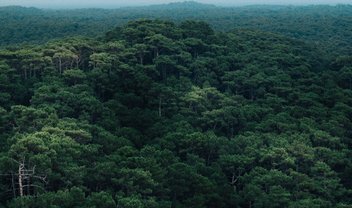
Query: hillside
point(156, 114)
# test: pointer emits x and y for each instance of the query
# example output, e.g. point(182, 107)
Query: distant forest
point(176, 106)
point(327, 27)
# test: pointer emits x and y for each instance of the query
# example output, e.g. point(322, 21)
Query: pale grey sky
point(117, 3)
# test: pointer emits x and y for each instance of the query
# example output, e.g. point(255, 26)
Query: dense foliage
point(327, 27)
point(157, 114)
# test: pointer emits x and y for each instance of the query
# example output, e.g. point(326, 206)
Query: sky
point(121, 3)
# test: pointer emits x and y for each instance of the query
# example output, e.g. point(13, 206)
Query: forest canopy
point(327, 27)
point(156, 113)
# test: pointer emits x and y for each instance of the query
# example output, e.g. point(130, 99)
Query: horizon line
point(122, 6)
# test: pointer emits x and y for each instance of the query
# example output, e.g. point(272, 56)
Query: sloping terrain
point(155, 114)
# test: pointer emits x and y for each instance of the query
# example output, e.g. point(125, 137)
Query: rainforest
point(181, 105)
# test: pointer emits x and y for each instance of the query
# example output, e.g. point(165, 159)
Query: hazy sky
point(117, 3)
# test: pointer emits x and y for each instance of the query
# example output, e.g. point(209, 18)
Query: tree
point(196, 29)
point(159, 44)
point(65, 59)
point(141, 51)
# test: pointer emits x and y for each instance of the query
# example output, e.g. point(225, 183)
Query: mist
point(124, 3)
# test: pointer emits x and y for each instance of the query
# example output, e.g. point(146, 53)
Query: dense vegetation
point(156, 114)
point(327, 27)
